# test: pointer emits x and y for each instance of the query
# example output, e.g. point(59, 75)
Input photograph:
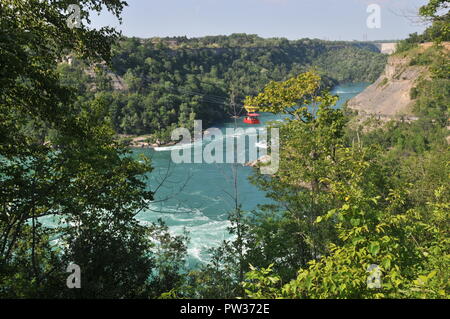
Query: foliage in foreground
point(68, 192)
point(392, 233)
point(409, 248)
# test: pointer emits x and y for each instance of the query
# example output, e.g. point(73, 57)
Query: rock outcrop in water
point(262, 160)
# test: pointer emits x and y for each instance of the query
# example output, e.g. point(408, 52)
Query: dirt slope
point(389, 97)
point(390, 94)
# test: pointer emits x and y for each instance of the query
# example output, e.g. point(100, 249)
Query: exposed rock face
point(389, 97)
point(387, 48)
point(117, 82)
point(390, 94)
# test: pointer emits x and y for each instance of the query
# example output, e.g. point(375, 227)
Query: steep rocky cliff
point(389, 96)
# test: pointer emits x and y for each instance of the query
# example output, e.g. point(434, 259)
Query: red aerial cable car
point(252, 116)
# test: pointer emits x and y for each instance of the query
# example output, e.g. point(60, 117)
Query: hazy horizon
point(334, 20)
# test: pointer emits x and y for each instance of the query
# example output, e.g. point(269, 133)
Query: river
point(193, 197)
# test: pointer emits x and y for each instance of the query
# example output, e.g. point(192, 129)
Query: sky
point(292, 19)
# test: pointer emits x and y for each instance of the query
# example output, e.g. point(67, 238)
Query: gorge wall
point(389, 95)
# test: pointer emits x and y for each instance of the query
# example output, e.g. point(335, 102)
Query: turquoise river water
point(194, 197)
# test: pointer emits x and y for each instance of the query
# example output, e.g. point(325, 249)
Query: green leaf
point(355, 222)
point(374, 248)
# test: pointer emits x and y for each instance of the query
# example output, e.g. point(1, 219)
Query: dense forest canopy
point(171, 81)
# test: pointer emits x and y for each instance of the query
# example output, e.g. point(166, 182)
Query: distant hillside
point(155, 84)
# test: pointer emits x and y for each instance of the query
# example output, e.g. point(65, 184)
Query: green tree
point(410, 247)
point(74, 175)
point(436, 12)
